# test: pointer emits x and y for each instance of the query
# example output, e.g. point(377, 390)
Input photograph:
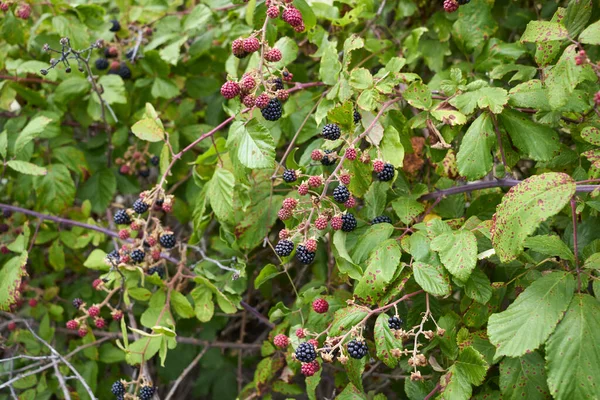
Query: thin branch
point(32, 80)
point(61, 380)
point(433, 392)
point(257, 314)
point(186, 371)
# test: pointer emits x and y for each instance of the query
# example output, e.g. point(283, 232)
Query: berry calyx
point(331, 132)
point(284, 248)
point(306, 352)
point(230, 89)
point(321, 222)
point(304, 255)
point(311, 368)
point(387, 173)
point(320, 306)
point(281, 341)
point(273, 111)
point(273, 55)
point(72, 324)
point(290, 175)
point(381, 219)
point(357, 349)
point(341, 194)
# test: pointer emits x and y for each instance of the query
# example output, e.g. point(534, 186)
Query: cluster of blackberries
point(341, 194)
point(357, 116)
point(160, 271)
point(290, 175)
point(348, 222)
point(306, 352)
point(357, 349)
point(395, 322)
point(273, 111)
point(381, 219)
point(331, 132)
point(284, 248)
point(303, 255)
point(387, 174)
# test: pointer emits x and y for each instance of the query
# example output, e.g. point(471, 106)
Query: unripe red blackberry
point(284, 214)
point(230, 89)
point(292, 16)
point(378, 165)
point(300, 28)
point(450, 6)
point(33, 302)
point(247, 83)
point(300, 333)
point(155, 254)
point(345, 178)
point(12, 325)
point(124, 169)
point(115, 65)
point(24, 11)
point(151, 240)
point(311, 245)
point(237, 48)
point(597, 98)
point(314, 342)
point(4, 6)
point(283, 95)
point(82, 331)
point(167, 207)
point(262, 100)
point(351, 153)
point(284, 234)
point(4, 250)
point(94, 311)
point(281, 341)
point(321, 222)
point(303, 189)
point(72, 324)
point(320, 306)
point(249, 100)
point(350, 203)
point(317, 155)
point(337, 222)
point(251, 45)
point(111, 52)
point(273, 12)
point(310, 368)
point(124, 234)
point(97, 284)
point(315, 181)
point(287, 76)
point(273, 55)
point(289, 203)
point(100, 323)
point(116, 315)
point(580, 58)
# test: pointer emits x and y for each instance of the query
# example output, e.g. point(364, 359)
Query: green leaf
point(591, 134)
point(491, 98)
point(55, 190)
point(114, 90)
point(361, 79)
point(345, 318)
point(544, 31)
point(27, 168)
point(391, 147)
point(432, 279)
point(474, 157)
point(407, 209)
point(376, 199)
point(220, 194)
point(538, 142)
point(204, 306)
point(3, 144)
point(418, 96)
point(385, 341)
point(164, 88)
point(330, 65)
point(563, 78)
point(257, 147)
point(524, 378)
point(96, 260)
point(572, 355)
point(591, 34)
point(525, 207)
point(56, 256)
point(100, 189)
point(11, 275)
point(369, 240)
point(267, 273)
point(381, 268)
point(150, 127)
point(354, 370)
point(471, 366)
point(527, 323)
point(30, 132)
point(71, 89)
point(550, 245)
point(351, 392)
point(198, 18)
point(172, 52)
point(578, 14)
point(181, 305)
point(458, 252)
point(474, 25)
point(593, 262)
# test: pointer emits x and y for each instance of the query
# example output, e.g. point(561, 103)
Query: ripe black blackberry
point(273, 111)
point(289, 175)
point(139, 206)
point(114, 256)
point(348, 222)
point(304, 256)
point(463, 2)
point(146, 392)
point(341, 194)
point(381, 219)
point(331, 132)
point(155, 160)
point(101, 64)
point(167, 240)
point(158, 270)
point(387, 174)
point(77, 302)
point(306, 352)
point(277, 84)
point(144, 172)
point(357, 116)
point(138, 255)
point(122, 218)
point(118, 389)
point(123, 71)
point(284, 248)
point(108, 53)
point(395, 322)
point(116, 26)
point(357, 349)
point(328, 160)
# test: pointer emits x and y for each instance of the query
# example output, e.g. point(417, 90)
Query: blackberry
point(395, 322)
point(348, 222)
point(331, 132)
point(303, 255)
point(277, 84)
point(273, 111)
point(122, 218)
point(284, 248)
point(341, 194)
point(118, 389)
point(306, 352)
point(463, 2)
point(77, 302)
point(114, 256)
point(139, 206)
point(158, 270)
point(387, 174)
point(357, 117)
point(138, 255)
point(146, 392)
point(144, 172)
point(101, 64)
point(327, 160)
point(111, 52)
point(116, 26)
point(167, 241)
point(381, 219)
point(123, 71)
point(155, 160)
point(357, 349)
point(289, 175)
